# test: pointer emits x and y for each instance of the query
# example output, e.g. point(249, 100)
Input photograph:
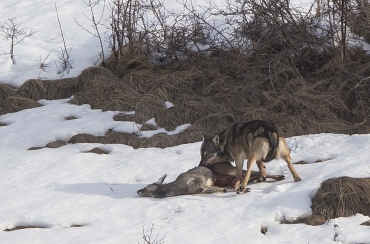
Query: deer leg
point(276, 177)
point(212, 189)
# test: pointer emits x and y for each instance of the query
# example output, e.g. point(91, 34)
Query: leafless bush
point(273, 29)
point(159, 34)
point(95, 23)
point(124, 20)
point(148, 238)
point(12, 31)
point(42, 66)
point(64, 54)
point(359, 19)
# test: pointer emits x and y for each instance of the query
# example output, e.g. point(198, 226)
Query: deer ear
point(160, 181)
point(216, 140)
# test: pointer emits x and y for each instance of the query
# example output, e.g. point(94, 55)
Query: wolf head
point(210, 151)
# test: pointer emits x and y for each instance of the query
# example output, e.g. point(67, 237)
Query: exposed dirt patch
point(317, 161)
point(76, 226)
point(98, 150)
point(56, 144)
point(22, 227)
point(367, 223)
point(35, 148)
point(70, 118)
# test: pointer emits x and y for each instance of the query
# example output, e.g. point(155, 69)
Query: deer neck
point(167, 190)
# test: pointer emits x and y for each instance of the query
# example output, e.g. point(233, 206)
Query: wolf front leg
point(251, 160)
point(294, 173)
point(285, 155)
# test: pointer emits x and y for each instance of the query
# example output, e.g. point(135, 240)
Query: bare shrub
point(42, 66)
point(147, 238)
point(12, 31)
point(64, 54)
point(95, 23)
point(359, 19)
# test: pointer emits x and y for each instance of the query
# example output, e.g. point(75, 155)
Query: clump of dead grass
point(338, 197)
point(6, 91)
point(342, 197)
point(13, 104)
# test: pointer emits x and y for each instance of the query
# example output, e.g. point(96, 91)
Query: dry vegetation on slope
point(287, 74)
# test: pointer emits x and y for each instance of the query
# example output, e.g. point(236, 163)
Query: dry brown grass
point(6, 91)
point(16, 103)
point(338, 197)
point(342, 197)
point(56, 144)
point(322, 94)
point(158, 140)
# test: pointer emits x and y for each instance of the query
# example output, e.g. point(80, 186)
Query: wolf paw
point(242, 190)
point(298, 179)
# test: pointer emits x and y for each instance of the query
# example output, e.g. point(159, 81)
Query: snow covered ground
point(80, 197)
point(64, 187)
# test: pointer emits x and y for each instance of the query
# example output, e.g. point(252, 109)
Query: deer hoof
point(281, 177)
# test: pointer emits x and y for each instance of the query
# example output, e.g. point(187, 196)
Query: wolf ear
point(216, 140)
point(160, 181)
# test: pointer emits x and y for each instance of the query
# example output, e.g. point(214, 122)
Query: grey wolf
point(257, 141)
